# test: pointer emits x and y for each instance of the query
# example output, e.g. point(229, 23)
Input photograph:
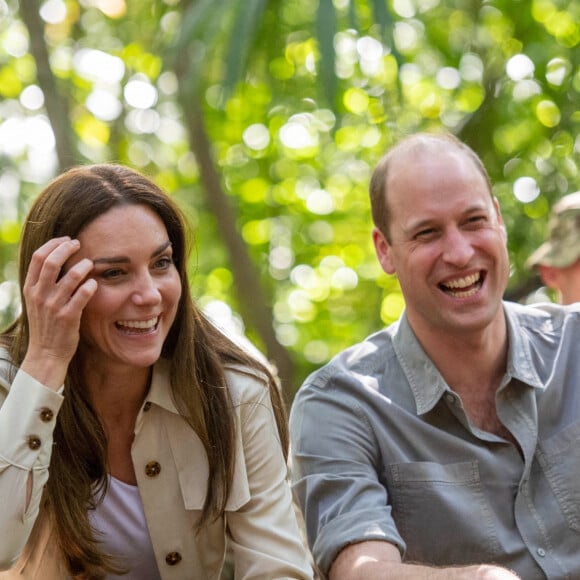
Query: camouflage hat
point(562, 248)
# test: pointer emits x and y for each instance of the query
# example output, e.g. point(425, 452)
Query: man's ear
point(500, 218)
point(384, 251)
point(549, 276)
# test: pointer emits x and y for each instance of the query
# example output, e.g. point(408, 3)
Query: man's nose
point(458, 249)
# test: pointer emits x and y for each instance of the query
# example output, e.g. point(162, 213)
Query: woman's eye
point(112, 274)
point(163, 263)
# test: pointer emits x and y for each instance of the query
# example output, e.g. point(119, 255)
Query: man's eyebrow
point(126, 260)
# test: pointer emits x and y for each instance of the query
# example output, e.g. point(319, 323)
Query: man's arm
point(381, 560)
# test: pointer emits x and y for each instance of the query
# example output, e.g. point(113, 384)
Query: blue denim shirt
point(383, 450)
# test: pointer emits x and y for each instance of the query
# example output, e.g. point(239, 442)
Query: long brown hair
point(197, 350)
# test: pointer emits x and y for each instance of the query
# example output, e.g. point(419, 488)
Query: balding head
point(415, 146)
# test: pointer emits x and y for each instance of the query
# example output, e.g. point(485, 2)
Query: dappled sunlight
point(391, 307)
point(53, 11)
point(519, 67)
point(32, 98)
point(98, 66)
point(9, 192)
point(526, 189)
point(292, 157)
point(257, 136)
point(140, 93)
point(557, 70)
point(104, 104)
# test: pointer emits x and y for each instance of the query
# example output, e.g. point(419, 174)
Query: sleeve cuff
point(353, 528)
point(27, 421)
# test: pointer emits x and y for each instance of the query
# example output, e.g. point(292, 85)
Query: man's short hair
point(562, 246)
point(416, 143)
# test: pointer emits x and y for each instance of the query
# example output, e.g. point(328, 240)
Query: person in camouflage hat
point(557, 260)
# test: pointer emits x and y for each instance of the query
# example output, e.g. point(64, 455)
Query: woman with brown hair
point(135, 438)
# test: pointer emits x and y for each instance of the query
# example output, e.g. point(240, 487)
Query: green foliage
point(300, 100)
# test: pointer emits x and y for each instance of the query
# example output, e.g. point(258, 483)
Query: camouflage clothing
point(562, 247)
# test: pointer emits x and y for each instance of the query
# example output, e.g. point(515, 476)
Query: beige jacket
point(172, 469)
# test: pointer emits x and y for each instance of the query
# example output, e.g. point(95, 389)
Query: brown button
point(46, 414)
point(173, 558)
point(147, 406)
point(152, 469)
point(34, 442)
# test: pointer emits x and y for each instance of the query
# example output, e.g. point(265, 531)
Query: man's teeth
point(142, 324)
point(463, 282)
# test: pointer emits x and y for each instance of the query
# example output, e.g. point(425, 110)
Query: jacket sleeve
point(265, 537)
point(28, 413)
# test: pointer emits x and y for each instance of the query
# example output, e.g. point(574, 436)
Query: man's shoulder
point(367, 358)
point(543, 317)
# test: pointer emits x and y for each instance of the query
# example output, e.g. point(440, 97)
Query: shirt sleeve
point(28, 412)
point(336, 469)
point(265, 537)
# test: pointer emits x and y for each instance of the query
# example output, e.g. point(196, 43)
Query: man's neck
point(472, 363)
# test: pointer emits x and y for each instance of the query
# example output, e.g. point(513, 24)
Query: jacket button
point(152, 469)
point(46, 414)
point(173, 558)
point(34, 442)
point(147, 406)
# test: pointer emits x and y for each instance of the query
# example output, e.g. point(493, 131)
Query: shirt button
point(34, 442)
point(153, 469)
point(147, 406)
point(541, 552)
point(450, 398)
point(173, 558)
point(46, 414)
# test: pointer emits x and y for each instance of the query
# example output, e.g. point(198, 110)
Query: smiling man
point(444, 446)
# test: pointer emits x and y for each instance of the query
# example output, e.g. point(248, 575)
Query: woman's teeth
point(138, 324)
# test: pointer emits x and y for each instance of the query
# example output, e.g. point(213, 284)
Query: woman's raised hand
point(55, 300)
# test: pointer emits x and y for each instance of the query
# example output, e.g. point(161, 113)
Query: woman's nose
point(146, 291)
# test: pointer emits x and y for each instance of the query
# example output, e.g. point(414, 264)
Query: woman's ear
point(384, 251)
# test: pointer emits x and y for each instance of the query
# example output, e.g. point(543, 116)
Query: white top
point(123, 531)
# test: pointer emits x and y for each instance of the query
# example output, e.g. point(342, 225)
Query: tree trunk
point(254, 304)
point(56, 104)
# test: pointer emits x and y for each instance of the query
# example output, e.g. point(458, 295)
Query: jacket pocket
point(559, 458)
point(442, 513)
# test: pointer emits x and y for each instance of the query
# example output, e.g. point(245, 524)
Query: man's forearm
point(382, 561)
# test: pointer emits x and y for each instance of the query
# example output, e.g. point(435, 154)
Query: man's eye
point(476, 219)
point(425, 233)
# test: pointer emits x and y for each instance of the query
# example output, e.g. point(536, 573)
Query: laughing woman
point(135, 438)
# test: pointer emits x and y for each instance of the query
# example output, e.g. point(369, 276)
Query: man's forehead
point(426, 149)
point(407, 163)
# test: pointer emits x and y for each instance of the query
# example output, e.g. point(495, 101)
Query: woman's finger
point(39, 257)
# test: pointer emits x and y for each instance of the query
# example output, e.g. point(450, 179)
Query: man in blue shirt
point(447, 445)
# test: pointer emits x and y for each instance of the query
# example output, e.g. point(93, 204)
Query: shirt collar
point(160, 391)
point(520, 364)
point(426, 382)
